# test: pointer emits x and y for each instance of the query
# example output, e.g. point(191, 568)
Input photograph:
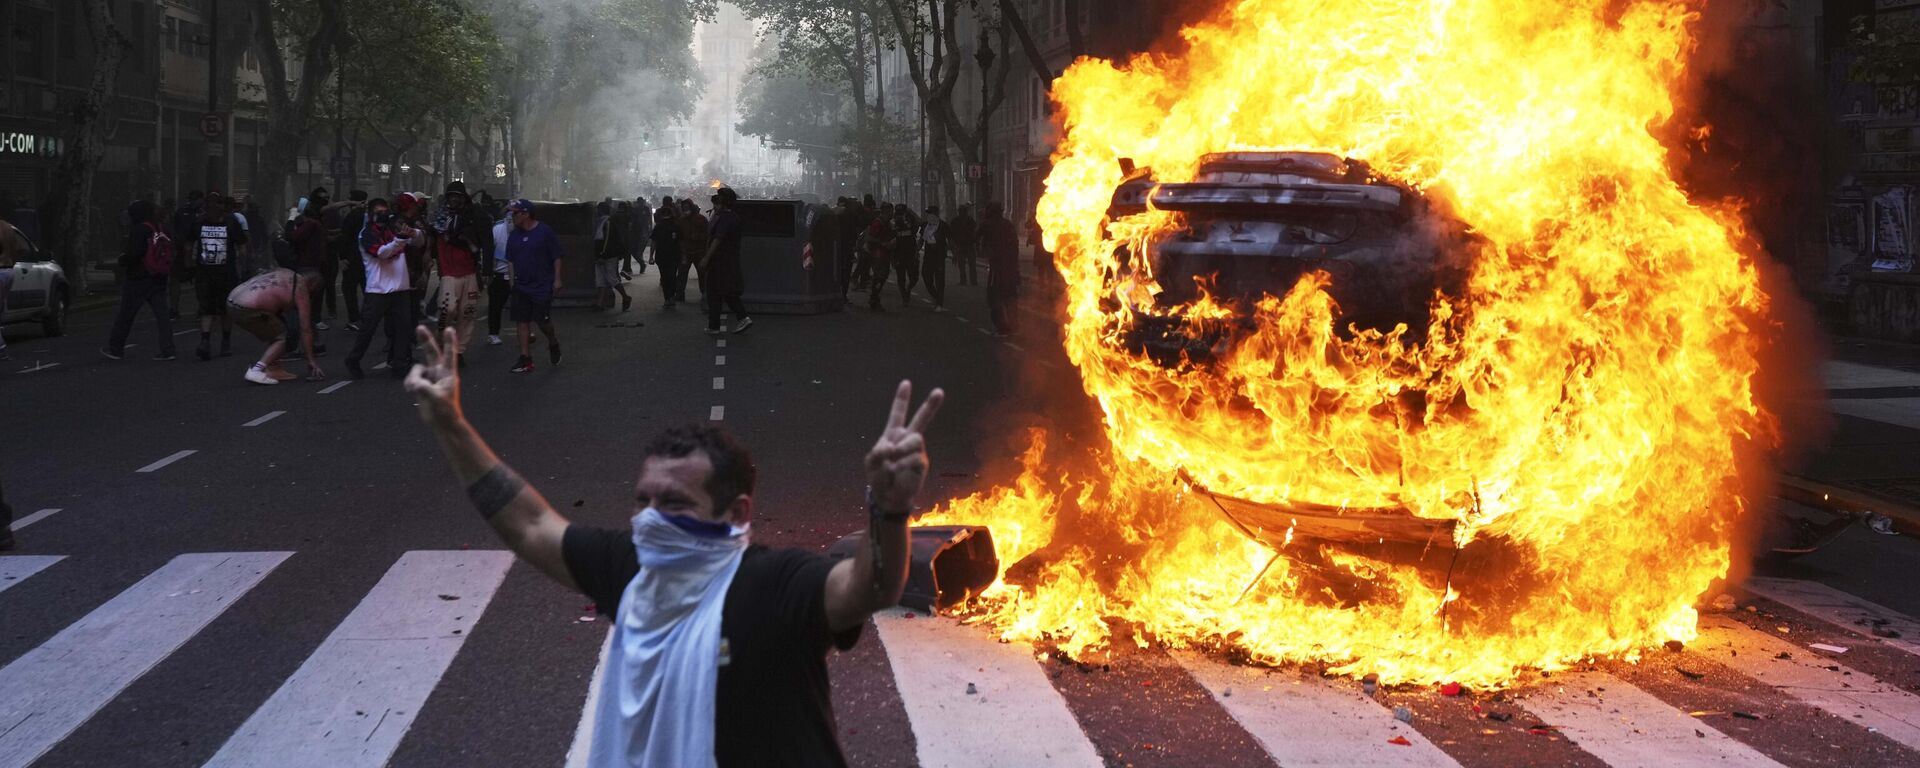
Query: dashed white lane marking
point(50, 690)
point(271, 415)
point(589, 712)
point(1302, 720)
point(720, 343)
point(335, 387)
point(185, 332)
point(16, 568)
point(1811, 677)
point(719, 382)
point(1016, 347)
point(984, 332)
point(719, 359)
point(33, 518)
point(1611, 719)
point(942, 669)
point(351, 702)
point(717, 413)
point(39, 366)
point(961, 319)
point(162, 464)
point(1840, 609)
point(381, 366)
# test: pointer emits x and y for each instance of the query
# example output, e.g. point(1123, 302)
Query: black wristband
point(874, 512)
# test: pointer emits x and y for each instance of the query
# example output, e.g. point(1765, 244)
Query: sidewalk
point(1873, 458)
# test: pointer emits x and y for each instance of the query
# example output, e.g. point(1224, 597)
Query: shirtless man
point(258, 305)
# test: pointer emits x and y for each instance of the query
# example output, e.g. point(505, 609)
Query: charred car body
point(1252, 224)
point(1256, 222)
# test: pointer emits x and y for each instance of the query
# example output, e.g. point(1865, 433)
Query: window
point(69, 24)
point(170, 34)
point(137, 26)
point(29, 46)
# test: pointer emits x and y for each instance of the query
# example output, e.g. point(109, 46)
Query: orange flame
point(1580, 404)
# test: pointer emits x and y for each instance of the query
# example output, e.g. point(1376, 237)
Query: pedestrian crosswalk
point(968, 699)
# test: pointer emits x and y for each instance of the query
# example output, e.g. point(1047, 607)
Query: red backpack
point(159, 258)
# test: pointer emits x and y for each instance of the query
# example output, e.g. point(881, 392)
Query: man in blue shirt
point(534, 250)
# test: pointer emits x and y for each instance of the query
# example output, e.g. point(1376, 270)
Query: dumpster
point(773, 238)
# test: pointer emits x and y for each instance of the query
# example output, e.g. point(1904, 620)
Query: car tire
point(54, 322)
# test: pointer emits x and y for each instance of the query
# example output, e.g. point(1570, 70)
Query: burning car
point(1256, 222)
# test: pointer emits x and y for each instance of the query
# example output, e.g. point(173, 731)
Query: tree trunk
point(70, 202)
point(1076, 37)
point(1010, 18)
point(290, 112)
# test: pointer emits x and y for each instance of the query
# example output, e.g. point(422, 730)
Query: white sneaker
point(258, 376)
point(745, 323)
point(321, 325)
point(493, 340)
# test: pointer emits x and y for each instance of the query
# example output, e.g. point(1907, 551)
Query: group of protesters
point(874, 241)
point(385, 261)
point(388, 261)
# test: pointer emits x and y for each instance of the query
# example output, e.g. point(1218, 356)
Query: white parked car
point(40, 291)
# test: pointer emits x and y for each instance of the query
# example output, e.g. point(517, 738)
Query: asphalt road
point(348, 481)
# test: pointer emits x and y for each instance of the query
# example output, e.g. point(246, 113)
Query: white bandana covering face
point(656, 705)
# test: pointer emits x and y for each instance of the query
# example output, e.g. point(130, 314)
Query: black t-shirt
point(772, 707)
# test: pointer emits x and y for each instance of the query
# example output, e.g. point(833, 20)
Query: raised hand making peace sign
point(436, 380)
point(897, 464)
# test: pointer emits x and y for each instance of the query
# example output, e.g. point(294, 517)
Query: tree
point(419, 79)
point(70, 203)
point(309, 32)
point(1890, 53)
point(828, 41)
point(584, 77)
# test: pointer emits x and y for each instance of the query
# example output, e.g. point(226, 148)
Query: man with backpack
point(146, 259)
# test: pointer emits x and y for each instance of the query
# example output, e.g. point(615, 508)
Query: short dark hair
point(733, 471)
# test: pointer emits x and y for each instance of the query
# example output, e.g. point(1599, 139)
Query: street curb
point(1844, 500)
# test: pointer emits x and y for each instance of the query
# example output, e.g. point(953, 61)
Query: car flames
point(1575, 413)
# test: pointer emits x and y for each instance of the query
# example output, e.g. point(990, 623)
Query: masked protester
point(718, 653)
point(666, 252)
point(725, 281)
point(146, 259)
point(389, 296)
point(216, 242)
point(1001, 245)
point(460, 244)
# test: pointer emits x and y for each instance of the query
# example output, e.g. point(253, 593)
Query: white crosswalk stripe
point(16, 568)
point(974, 701)
point(354, 698)
point(969, 699)
point(52, 689)
point(1841, 610)
point(1798, 672)
point(1611, 719)
point(1305, 720)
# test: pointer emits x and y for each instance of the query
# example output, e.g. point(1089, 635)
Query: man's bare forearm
point(882, 564)
point(501, 497)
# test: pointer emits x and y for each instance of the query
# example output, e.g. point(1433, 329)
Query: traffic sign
point(342, 166)
point(213, 125)
point(976, 171)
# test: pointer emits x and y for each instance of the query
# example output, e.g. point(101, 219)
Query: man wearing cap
point(460, 237)
point(535, 252)
point(725, 281)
